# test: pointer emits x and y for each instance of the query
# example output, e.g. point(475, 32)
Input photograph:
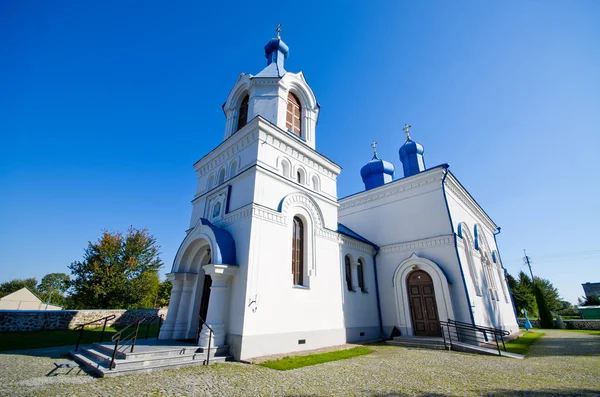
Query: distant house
point(24, 299)
point(591, 289)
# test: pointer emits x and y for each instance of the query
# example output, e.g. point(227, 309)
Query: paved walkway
point(560, 364)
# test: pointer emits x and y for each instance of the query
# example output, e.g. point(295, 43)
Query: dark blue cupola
point(276, 52)
point(411, 155)
point(376, 172)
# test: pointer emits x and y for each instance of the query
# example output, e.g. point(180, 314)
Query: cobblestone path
point(561, 363)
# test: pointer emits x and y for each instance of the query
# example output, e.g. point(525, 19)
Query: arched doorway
point(423, 306)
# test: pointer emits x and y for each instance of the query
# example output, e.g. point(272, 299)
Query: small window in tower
point(243, 116)
point(221, 176)
point(360, 270)
point(293, 120)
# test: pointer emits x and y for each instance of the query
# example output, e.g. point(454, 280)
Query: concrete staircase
point(422, 342)
point(147, 356)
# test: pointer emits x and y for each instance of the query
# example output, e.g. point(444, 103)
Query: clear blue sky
point(105, 106)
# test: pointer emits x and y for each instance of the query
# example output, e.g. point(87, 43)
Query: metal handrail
point(160, 321)
point(498, 330)
point(201, 322)
point(132, 336)
point(457, 325)
point(82, 326)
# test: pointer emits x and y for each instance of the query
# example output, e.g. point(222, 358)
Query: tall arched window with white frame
point(294, 115)
point(298, 251)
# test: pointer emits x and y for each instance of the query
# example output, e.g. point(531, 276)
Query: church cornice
point(468, 201)
point(356, 245)
point(399, 186)
point(431, 242)
point(291, 146)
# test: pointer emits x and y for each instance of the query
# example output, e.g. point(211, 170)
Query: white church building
point(274, 262)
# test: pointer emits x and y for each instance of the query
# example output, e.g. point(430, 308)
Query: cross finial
point(407, 131)
point(278, 32)
point(374, 146)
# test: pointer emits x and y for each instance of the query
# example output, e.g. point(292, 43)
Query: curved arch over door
point(423, 305)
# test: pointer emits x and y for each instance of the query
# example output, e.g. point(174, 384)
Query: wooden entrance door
point(204, 303)
point(423, 308)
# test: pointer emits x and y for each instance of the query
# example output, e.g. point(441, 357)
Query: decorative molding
point(305, 201)
point(268, 214)
point(419, 244)
point(358, 246)
point(393, 188)
point(292, 149)
point(465, 198)
point(236, 215)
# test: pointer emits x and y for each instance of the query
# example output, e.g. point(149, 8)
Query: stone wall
point(38, 320)
point(569, 324)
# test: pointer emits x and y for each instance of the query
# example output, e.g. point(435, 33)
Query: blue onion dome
point(410, 148)
point(377, 172)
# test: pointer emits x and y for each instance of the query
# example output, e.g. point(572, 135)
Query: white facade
point(345, 278)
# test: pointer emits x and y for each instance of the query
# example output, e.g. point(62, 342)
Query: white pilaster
point(217, 304)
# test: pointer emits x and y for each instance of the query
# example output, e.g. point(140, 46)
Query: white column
point(218, 304)
point(181, 323)
point(166, 331)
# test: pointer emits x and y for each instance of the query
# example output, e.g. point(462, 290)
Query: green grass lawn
point(40, 339)
point(522, 343)
point(288, 363)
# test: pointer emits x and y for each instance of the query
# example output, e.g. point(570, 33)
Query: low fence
point(39, 320)
point(569, 324)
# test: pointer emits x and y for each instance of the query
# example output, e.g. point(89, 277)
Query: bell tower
point(282, 98)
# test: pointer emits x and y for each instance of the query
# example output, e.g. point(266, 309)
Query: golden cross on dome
point(278, 31)
point(374, 146)
point(407, 131)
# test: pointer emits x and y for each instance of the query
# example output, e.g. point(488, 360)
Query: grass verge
point(287, 363)
point(40, 339)
point(522, 343)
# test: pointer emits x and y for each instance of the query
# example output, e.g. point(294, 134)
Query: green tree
point(546, 318)
point(16, 284)
point(522, 293)
point(53, 287)
point(117, 272)
point(550, 294)
point(591, 300)
point(164, 294)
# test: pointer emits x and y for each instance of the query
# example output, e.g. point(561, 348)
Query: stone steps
point(418, 342)
point(96, 358)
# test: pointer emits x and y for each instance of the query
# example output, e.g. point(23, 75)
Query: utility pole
point(528, 264)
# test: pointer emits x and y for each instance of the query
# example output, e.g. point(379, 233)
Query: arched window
point(285, 169)
point(233, 169)
point(211, 182)
point(360, 270)
point(315, 183)
point(348, 269)
point(298, 252)
point(300, 176)
point(221, 176)
point(243, 116)
point(293, 120)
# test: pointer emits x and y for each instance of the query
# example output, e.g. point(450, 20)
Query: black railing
point(201, 322)
point(82, 326)
point(457, 331)
point(128, 340)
